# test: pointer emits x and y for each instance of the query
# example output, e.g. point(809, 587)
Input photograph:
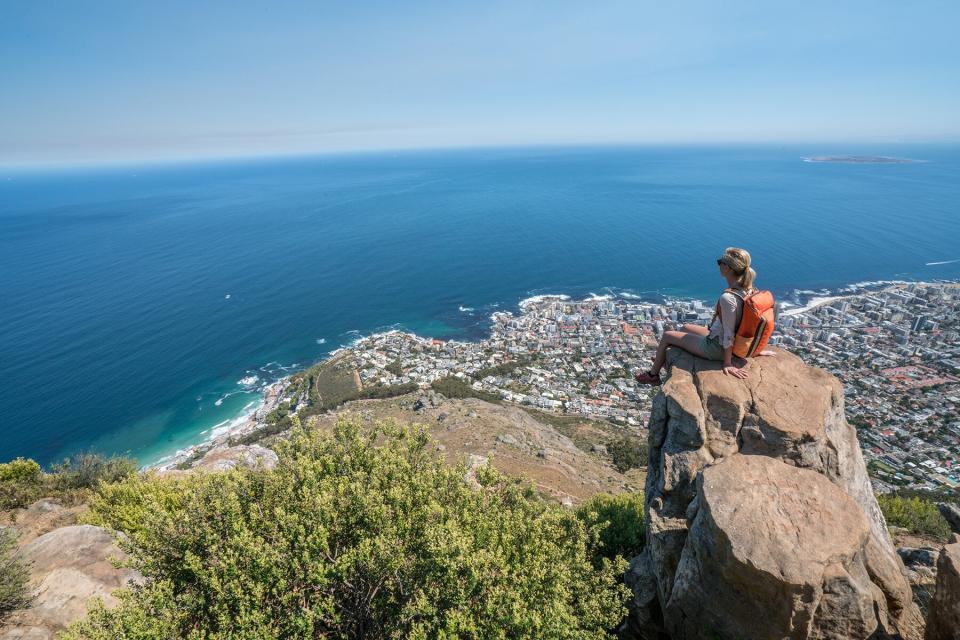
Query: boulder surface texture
point(950, 513)
point(943, 622)
point(762, 522)
point(69, 566)
point(243, 455)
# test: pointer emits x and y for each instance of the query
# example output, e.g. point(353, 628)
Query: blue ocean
point(143, 306)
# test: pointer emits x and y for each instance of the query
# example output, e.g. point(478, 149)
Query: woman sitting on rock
point(714, 342)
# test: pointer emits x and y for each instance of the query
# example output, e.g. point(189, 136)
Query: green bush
point(395, 368)
point(452, 387)
point(87, 470)
point(504, 369)
point(344, 539)
point(384, 391)
point(618, 521)
point(914, 513)
point(19, 470)
point(628, 452)
point(277, 421)
point(21, 482)
point(13, 577)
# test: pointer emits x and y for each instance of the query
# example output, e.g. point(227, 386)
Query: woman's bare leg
point(695, 329)
point(686, 341)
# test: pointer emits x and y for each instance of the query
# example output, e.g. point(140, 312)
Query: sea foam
point(526, 302)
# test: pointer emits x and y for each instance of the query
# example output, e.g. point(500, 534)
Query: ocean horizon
point(146, 306)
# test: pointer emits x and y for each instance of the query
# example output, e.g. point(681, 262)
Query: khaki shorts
point(710, 345)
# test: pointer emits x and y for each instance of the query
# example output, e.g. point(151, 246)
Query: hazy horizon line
point(217, 158)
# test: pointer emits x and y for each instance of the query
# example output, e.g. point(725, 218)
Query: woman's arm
point(728, 318)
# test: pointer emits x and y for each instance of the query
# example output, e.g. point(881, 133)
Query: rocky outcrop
point(41, 517)
point(950, 513)
point(923, 557)
point(68, 566)
point(762, 522)
point(943, 621)
point(225, 458)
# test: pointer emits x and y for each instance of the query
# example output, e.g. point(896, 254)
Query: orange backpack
point(757, 319)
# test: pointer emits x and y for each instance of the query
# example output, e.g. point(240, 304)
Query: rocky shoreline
point(274, 392)
point(272, 397)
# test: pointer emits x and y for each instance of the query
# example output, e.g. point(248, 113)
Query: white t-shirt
point(724, 326)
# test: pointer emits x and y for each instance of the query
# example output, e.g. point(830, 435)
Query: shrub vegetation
point(453, 387)
point(23, 481)
point(618, 521)
point(628, 452)
point(14, 576)
point(344, 539)
point(504, 369)
point(916, 514)
point(87, 470)
point(395, 367)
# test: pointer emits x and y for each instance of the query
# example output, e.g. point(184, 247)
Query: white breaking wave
point(593, 297)
point(931, 264)
point(464, 309)
point(249, 381)
point(321, 341)
point(876, 283)
point(542, 298)
point(211, 433)
point(228, 425)
point(220, 400)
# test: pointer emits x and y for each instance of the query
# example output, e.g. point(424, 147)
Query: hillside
point(565, 458)
point(568, 458)
point(758, 518)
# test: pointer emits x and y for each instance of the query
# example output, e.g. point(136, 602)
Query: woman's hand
point(736, 372)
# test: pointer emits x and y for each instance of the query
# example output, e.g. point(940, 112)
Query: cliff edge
point(762, 522)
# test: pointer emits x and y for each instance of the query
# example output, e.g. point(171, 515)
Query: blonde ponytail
point(739, 261)
point(746, 279)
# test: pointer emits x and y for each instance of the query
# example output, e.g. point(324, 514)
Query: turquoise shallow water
point(135, 298)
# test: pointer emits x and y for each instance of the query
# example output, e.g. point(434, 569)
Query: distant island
point(860, 159)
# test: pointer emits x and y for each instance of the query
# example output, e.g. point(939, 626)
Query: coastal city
point(896, 348)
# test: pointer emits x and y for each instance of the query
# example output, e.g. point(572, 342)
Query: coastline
point(248, 421)
point(253, 418)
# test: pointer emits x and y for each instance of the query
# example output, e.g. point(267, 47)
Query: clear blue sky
point(136, 80)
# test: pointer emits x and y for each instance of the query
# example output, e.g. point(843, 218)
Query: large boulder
point(950, 513)
point(68, 567)
point(251, 456)
point(773, 551)
point(792, 415)
point(42, 516)
point(943, 621)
